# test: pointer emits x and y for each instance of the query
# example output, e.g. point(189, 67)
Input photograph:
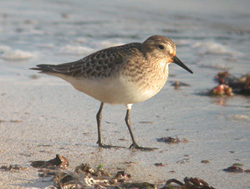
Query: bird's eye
point(161, 47)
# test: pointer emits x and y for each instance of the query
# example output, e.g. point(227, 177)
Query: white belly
point(111, 90)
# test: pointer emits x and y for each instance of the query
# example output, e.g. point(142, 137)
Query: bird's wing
point(99, 64)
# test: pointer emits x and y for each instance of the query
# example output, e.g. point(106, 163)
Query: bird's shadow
point(138, 148)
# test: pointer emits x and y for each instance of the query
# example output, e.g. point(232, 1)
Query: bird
point(125, 74)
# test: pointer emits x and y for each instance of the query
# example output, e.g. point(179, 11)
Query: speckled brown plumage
point(100, 64)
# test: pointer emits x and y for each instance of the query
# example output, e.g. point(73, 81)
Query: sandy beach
point(40, 122)
point(41, 116)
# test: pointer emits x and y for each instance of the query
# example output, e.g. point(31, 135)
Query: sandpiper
point(125, 74)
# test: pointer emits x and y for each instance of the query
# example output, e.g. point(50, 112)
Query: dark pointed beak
point(181, 64)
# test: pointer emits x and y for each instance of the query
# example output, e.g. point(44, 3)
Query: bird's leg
point(134, 145)
point(98, 119)
point(127, 120)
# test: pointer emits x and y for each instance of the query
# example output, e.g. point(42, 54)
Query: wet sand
point(46, 116)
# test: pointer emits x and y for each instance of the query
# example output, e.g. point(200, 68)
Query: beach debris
point(178, 84)
point(11, 121)
point(139, 185)
point(247, 171)
point(160, 164)
point(44, 172)
point(99, 167)
point(183, 161)
point(229, 84)
point(171, 140)
point(14, 167)
point(222, 89)
point(238, 164)
point(146, 122)
point(224, 77)
point(129, 163)
point(34, 76)
point(59, 162)
point(234, 169)
point(51, 167)
point(85, 176)
point(25, 154)
point(87, 170)
point(64, 180)
point(205, 161)
point(189, 183)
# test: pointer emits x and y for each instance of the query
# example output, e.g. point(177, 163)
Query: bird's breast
point(129, 87)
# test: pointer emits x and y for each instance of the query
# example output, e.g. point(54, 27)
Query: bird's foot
point(101, 145)
point(137, 147)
